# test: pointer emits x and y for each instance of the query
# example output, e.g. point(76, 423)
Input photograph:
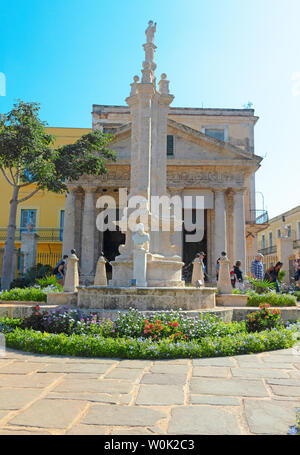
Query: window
point(215, 133)
point(289, 230)
point(278, 233)
point(263, 242)
point(170, 145)
point(61, 230)
point(28, 216)
point(270, 239)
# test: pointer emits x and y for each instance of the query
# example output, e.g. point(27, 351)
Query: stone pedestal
point(198, 274)
point(100, 277)
point(72, 276)
point(139, 266)
point(224, 282)
point(285, 252)
point(29, 248)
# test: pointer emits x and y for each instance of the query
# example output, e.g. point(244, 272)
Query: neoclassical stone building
point(209, 152)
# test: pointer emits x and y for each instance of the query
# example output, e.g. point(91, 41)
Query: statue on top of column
point(150, 30)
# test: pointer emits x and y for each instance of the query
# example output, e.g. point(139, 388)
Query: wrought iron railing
point(257, 217)
point(270, 250)
point(45, 234)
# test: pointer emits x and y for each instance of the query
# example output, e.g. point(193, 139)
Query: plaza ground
point(241, 395)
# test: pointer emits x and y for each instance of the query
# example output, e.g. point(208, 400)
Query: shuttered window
point(170, 145)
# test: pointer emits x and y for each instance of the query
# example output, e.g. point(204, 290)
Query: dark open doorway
point(190, 249)
point(111, 242)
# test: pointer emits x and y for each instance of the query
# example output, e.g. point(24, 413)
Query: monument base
point(164, 298)
point(161, 272)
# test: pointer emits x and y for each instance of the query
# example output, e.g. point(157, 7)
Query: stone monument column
point(219, 223)
point(29, 247)
point(149, 111)
point(88, 235)
point(69, 221)
point(239, 240)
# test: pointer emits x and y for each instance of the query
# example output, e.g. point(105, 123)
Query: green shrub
point(271, 298)
point(49, 280)
point(29, 279)
point(263, 319)
point(140, 348)
point(26, 294)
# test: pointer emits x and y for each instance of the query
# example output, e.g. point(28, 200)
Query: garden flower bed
point(163, 335)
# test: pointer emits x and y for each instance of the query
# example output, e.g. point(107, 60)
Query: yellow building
point(285, 225)
point(45, 209)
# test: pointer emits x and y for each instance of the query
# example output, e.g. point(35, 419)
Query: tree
point(28, 157)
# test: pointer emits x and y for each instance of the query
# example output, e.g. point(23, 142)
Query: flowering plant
point(263, 319)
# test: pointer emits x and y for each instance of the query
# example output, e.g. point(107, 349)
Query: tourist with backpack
point(60, 270)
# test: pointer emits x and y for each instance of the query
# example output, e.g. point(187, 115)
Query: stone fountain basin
point(148, 298)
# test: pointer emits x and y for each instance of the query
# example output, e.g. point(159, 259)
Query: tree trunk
point(7, 264)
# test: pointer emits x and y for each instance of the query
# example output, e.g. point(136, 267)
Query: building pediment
point(189, 145)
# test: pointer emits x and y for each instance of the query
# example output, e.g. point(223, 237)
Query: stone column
point(72, 277)
point(69, 222)
point(29, 248)
point(219, 223)
point(285, 253)
point(88, 235)
point(239, 241)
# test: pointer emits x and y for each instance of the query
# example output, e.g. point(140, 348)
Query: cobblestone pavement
point(249, 394)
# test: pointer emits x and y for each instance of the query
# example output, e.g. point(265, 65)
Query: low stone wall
point(232, 300)
point(21, 309)
point(62, 298)
point(103, 297)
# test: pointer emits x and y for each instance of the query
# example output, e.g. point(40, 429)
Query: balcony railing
point(257, 217)
point(296, 243)
point(270, 250)
point(45, 234)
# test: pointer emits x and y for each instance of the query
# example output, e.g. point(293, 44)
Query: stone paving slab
point(36, 380)
point(218, 401)
point(266, 417)
point(122, 415)
point(215, 361)
point(167, 379)
point(127, 374)
point(17, 398)
point(213, 372)
point(22, 368)
point(252, 394)
point(74, 368)
point(160, 395)
point(258, 373)
point(203, 420)
point(94, 385)
point(232, 387)
point(49, 414)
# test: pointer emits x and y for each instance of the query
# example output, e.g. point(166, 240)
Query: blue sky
point(69, 54)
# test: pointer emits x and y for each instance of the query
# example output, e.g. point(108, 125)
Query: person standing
point(297, 272)
point(272, 275)
point(239, 280)
point(257, 267)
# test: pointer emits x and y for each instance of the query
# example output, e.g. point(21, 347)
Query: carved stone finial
point(134, 86)
point(164, 85)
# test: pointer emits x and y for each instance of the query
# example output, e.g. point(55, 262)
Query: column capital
point(89, 188)
point(241, 190)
